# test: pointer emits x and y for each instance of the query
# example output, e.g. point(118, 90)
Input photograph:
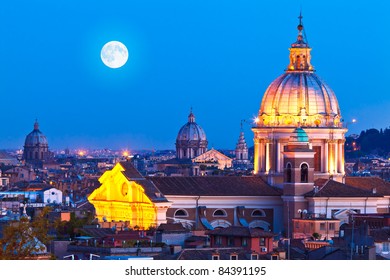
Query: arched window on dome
point(304, 173)
point(219, 213)
point(288, 173)
point(180, 213)
point(258, 213)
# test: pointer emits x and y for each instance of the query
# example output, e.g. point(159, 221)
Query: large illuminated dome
point(299, 97)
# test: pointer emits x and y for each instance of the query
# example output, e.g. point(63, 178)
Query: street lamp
point(350, 122)
point(301, 212)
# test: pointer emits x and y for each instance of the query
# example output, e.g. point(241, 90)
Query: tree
point(25, 239)
point(316, 235)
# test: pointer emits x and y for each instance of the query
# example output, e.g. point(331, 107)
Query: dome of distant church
point(191, 140)
point(35, 137)
point(299, 97)
point(191, 131)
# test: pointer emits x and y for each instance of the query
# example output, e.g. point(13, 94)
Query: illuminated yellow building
point(299, 98)
point(125, 196)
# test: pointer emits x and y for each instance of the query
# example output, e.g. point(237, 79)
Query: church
point(298, 169)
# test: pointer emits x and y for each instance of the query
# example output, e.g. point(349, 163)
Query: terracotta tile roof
point(215, 186)
point(332, 188)
point(130, 171)
point(178, 227)
point(369, 183)
point(224, 254)
point(97, 232)
point(240, 231)
point(380, 235)
point(150, 188)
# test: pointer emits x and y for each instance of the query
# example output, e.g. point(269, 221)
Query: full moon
point(114, 54)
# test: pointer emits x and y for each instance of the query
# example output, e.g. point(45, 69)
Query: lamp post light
point(350, 122)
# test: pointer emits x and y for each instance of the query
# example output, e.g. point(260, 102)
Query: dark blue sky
point(215, 56)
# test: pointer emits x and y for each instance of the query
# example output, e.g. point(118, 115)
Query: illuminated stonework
point(120, 199)
point(299, 98)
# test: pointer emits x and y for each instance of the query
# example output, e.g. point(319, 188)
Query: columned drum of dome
point(299, 98)
point(191, 140)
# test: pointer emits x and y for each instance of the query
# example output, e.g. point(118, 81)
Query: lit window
point(215, 257)
point(233, 257)
point(262, 241)
point(254, 257)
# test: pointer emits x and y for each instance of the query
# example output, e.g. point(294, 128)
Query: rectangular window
point(385, 247)
point(218, 240)
point(244, 242)
point(233, 257)
point(230, 241)
point(215, 257)
point(322, 226)
point(262, 241)
point(254, 257)
point(331, 226)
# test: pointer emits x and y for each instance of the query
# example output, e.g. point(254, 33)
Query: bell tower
point(298, 175)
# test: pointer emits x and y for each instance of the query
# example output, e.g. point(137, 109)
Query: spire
point(36, 125)
point(191, 117)
point(300, 51)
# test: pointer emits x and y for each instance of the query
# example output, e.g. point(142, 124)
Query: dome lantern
point(300, 52)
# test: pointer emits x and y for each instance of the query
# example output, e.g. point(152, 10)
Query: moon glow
point(114, 54)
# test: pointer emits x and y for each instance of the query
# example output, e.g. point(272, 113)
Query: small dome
point(191, 131)
point(299, 136)
point(35, 137)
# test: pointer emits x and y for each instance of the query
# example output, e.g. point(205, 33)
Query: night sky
point(217, 57)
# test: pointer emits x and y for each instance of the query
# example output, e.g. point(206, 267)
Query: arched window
point(288, 173)
point(219, 213)
point(304, 173)
point(258, 213)
point(181, 213)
